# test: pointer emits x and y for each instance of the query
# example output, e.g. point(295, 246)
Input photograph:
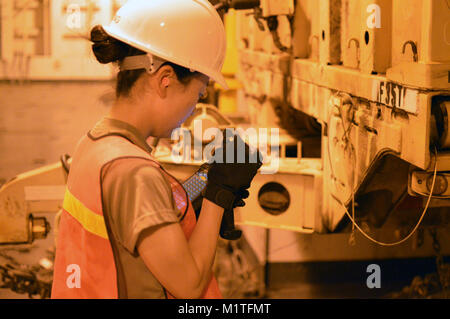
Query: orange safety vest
point(84, 261)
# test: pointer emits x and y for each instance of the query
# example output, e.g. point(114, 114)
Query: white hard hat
point(189, 33)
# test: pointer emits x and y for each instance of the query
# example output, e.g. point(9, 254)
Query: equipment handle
point(227, 227)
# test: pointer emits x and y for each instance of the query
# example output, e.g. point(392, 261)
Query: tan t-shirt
point(135, 196)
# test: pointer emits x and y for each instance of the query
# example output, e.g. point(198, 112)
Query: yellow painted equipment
point(359, 89)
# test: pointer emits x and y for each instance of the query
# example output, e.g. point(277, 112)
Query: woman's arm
point(183, 266)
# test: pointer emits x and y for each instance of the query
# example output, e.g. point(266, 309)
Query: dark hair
point(108, 49)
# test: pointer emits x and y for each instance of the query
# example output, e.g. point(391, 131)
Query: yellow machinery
point(361, 93)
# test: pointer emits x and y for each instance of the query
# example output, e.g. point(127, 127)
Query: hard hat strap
point(147, 61)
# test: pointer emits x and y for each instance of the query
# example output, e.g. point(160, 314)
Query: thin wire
point(415, 228)
point(353, 193)
point(353, 156)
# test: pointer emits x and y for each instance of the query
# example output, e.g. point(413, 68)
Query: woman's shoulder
point(132, 167)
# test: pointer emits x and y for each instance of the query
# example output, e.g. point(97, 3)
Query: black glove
point(228, 182)
point(240, 196)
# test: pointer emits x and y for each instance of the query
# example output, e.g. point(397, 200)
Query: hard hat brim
point(219, 78)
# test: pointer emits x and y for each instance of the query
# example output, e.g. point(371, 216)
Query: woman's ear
point(166, 81)
point(163, 79)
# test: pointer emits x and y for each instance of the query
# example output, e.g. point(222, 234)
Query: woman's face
point(180, 102)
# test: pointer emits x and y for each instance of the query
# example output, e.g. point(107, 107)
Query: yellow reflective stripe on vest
point(90, 221)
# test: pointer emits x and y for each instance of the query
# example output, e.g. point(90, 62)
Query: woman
point(127, 229)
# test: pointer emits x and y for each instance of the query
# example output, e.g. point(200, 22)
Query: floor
point(39, 122)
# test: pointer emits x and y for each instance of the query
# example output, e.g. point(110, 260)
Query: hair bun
point(106, 49)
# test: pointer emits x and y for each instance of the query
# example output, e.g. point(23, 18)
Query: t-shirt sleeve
point(136, 196)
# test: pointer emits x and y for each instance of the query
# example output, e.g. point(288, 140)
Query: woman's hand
point(229, 177)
